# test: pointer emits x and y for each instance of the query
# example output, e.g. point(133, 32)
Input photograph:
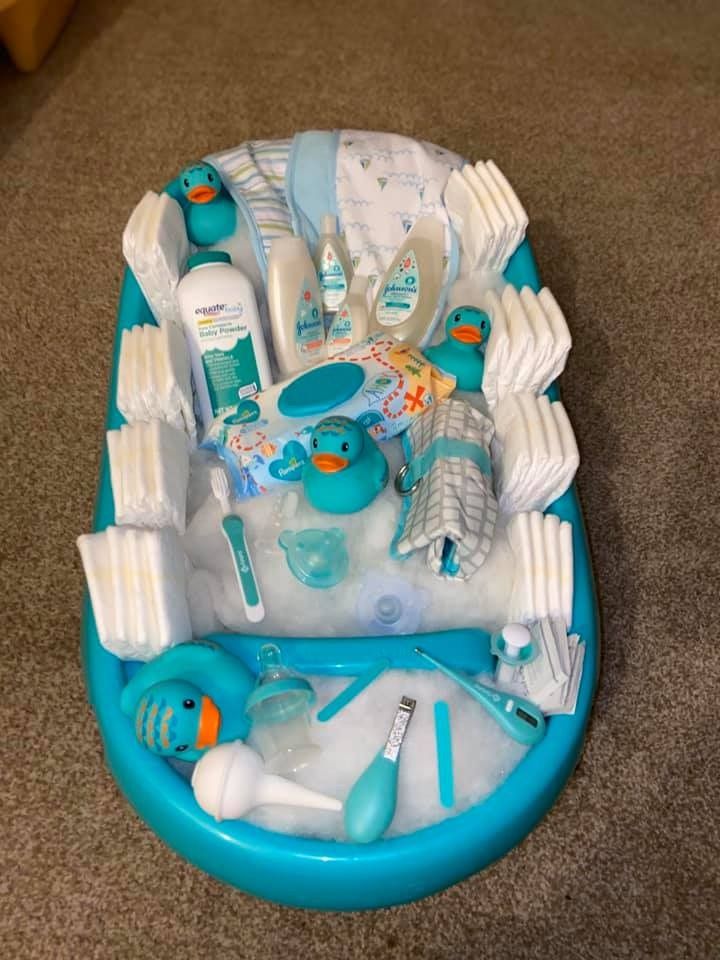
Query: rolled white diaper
point(149, 474)
point(543, 584)
point(153, 378)
point(156, 248)
point(137, 584)
point(486, 214)
point(535, 455)
point(528, 344)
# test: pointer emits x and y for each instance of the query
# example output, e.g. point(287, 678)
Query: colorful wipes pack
point(381, 383)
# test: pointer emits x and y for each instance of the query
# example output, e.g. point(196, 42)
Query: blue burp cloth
point(450, 508)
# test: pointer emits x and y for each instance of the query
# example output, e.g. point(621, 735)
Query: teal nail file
point(443, 747)
point(234, 532)
point(353, 690)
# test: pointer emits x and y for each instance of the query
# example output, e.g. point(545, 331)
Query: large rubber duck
point(346, 469)
point(210, 211)
point(188, 699)
point(461, 352)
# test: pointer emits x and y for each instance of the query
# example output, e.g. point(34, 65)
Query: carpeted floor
point(607, 125)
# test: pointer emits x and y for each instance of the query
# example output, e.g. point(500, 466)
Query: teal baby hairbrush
point(346, 469)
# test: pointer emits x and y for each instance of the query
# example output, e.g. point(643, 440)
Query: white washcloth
point(156, 248)
point(543, 585)
point(153, 379)
point(149, 473)
point(528, 344)
point(486, 214)
point(137, 584)
point(535, 455)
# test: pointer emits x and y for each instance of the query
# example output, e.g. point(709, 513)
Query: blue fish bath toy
point(188, 699)
point(461, 353)
point(210, 211)
point(346, 469)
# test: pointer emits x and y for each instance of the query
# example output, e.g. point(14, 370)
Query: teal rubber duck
point(210, 211)
point(189, 699)
point(346, 469)
point(461, 352)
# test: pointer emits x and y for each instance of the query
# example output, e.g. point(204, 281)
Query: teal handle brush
point(370, 806)
point(519, 718)
point(234, 532)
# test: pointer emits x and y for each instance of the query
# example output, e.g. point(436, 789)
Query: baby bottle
point(279, 710)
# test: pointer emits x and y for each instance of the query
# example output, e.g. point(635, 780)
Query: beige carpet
point(607, 124)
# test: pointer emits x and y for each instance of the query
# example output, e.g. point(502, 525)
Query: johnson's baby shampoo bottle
point(296, 315)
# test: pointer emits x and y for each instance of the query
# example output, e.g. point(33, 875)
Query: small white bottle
point(296, 316)
point(332, 263)
point(351, 323)
point(222, 328)
point(408, 294)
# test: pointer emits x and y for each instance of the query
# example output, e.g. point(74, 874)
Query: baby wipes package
point(381, 383)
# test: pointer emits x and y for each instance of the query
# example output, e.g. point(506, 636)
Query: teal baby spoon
point(370, 806)
point(519, 718)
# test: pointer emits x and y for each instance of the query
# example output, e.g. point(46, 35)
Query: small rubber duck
point(461, 352)
point(346, 469)
point(189, 699)
point(210, 211)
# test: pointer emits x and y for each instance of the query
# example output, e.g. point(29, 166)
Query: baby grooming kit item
point(552, 679)
point(389, 605)
point(296, 315)
point(210, 212)
point(408, 294)
point(353, 690)
point(449, 509)
point(332, 263)
point(229, 781)
point(149, 473)
point(233, 530)
point(224, 334)
point(486, 214)
point(351, 323)
point(188, 699)
point(155, 246)
point(528, 343)
point(461, 353)
point(543, 582)
point(513, 647)
point(443, 747)
point(535, 456)
point(370, 805)
point(136, 580)
point(279, 709)
point(519, 718)
point(153, 377)
point(381, 383)
point(318, 558)
point(346, 469)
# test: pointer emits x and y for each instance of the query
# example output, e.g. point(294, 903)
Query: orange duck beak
point(202, 194)
point(467, 334)
point(209, 726)
point(329, 462)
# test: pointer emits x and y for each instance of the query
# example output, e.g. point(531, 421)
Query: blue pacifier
point(318, 558)
point(388, 605)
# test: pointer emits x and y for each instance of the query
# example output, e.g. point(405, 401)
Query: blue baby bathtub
point(324, 874)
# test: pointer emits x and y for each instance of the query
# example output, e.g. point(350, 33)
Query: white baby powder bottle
point(296, 315)
point(333, 265)
point(350, 324)
point(222, 327)
point(408, 295)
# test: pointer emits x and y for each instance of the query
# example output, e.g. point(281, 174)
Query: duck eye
point(186, 182)
point(189, 704)
point(482, 324)
point(210, 177)
point(457, 318)
point(315, 443)
point(182, 748)
point(345, 447)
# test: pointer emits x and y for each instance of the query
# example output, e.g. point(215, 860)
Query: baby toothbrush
point(370, 806)
point(519, 718)
point(234, 532)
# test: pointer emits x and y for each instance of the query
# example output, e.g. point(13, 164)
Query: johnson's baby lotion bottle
point(296, 315)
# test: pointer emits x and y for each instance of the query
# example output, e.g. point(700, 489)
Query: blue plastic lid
point(321, 389)
point(208, 256)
